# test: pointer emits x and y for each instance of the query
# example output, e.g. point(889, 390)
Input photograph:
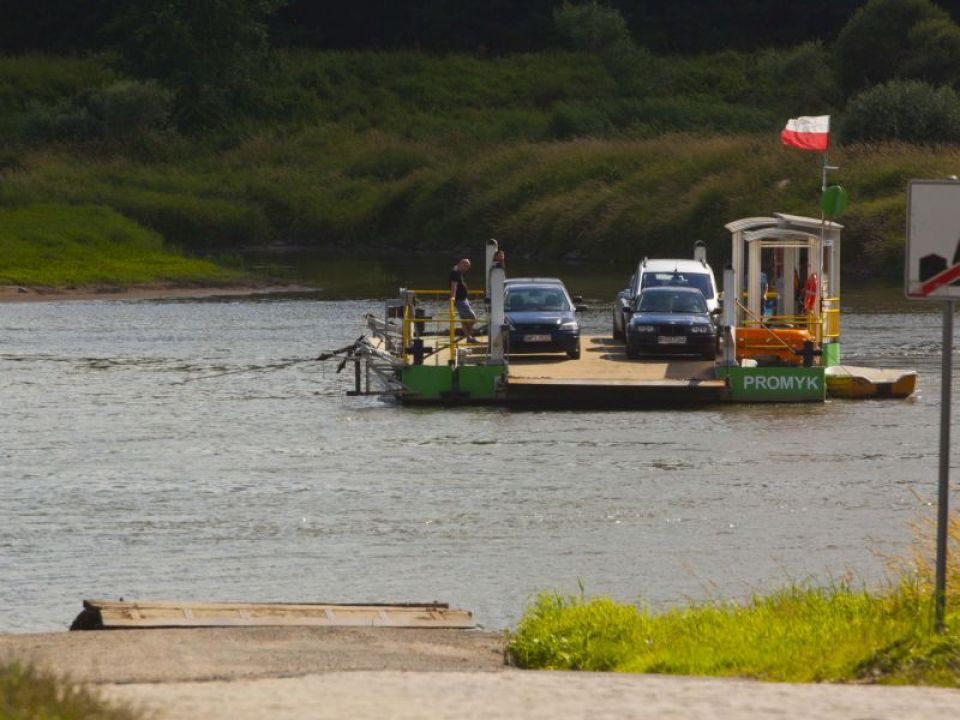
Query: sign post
point(943, 496)
point(933, 273)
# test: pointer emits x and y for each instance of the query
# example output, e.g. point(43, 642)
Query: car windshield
point(536, 299)
point(672, 302)
point(700, 281)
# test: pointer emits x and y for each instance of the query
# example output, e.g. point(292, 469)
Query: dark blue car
point(671, 321)
point(542, 317)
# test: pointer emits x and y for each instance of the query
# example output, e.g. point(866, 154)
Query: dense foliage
point(195, 127)
point(906, 110)
point(208, 52)
point(888, 39)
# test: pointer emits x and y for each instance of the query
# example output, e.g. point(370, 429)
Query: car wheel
point(633, 352)
point(617, 333)
point(711, 355)
point(574, 354)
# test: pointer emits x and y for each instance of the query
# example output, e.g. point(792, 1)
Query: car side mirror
point(577, 299)
point(581, 307)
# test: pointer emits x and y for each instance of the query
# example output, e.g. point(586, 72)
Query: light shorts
point(465, 311)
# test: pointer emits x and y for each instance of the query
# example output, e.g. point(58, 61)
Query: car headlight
point(569, 325)
point(645, 328)
point(701, 329)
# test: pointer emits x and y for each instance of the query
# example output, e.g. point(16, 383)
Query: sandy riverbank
point(158, 291)
point(374, 673)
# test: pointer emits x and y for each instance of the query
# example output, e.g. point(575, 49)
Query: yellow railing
point(413, 325)
point(820, 325)
point(808, 322)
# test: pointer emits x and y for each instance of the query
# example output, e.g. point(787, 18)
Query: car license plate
point(672, 340)
point(537, 338)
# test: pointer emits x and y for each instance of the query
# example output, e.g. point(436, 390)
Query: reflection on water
point(159, 450)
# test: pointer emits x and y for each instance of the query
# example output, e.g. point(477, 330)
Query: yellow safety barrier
point(414, 326)
point(807, 322)
point(831, 317)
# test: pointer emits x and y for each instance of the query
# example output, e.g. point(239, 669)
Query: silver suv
point(656, 273)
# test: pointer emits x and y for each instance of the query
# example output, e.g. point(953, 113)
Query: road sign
point(933, 240)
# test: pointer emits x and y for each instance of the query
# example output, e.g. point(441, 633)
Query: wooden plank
point(603, 361)
point(108, 614)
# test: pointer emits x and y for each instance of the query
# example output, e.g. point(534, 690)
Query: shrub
point(34, 79)
point(26, 692)
point(903, 110)
point(118, 113)
point(62, 122)
point(578, 120)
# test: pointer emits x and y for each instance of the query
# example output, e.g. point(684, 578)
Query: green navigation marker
point(833, 201)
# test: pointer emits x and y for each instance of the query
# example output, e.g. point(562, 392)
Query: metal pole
point(943, 496)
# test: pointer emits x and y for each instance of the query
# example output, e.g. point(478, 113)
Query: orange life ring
point(810, 293)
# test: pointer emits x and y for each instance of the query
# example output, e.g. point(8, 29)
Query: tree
point(208, 52)
point(935, 53)
point(599, 30)
point(875, 45)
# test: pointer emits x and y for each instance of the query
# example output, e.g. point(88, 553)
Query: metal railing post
point(453, 333)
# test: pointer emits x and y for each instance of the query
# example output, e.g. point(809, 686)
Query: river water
point(146, 452)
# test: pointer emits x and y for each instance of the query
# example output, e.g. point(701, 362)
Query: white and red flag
point(807, 133)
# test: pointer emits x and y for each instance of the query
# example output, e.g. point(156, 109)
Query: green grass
point(61, 245)
point(836, 634)
point(799, 634)
point(28, 694)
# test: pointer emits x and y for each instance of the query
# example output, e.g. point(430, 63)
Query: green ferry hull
point(775, 384)
point(489, 384)
point(440, 384)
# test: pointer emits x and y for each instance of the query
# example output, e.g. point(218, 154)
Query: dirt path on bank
point(531, 696)
point(376, 673)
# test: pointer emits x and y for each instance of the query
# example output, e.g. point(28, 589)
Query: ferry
point(779, 344)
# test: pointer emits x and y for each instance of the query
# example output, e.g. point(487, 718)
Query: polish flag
point(807, 133)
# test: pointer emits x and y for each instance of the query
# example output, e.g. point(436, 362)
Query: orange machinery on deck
point(778, 345)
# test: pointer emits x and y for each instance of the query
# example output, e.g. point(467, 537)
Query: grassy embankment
point(61, 245)
point(402, 151)
point(26, 694)
point(800, 634)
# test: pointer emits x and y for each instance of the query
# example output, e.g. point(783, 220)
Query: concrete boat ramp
point(289, 673)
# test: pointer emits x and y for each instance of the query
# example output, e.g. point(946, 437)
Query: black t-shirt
point(457, 277)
